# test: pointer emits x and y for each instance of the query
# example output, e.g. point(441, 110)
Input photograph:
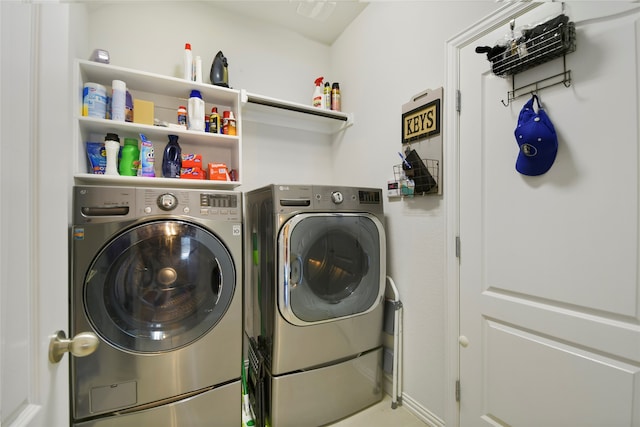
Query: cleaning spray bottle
point(318, 94)
point(327, 96)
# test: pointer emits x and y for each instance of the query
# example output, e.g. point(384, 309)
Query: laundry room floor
point(381, 415)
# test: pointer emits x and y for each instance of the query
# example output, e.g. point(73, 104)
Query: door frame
point(453, 248)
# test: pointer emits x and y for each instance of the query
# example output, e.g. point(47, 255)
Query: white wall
point(262, 59)
point(392, 51)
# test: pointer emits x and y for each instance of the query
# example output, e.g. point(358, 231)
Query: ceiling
point(319, 20)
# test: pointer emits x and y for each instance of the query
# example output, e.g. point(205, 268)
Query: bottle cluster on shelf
point(210, 144)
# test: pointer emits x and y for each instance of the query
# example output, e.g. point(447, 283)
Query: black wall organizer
point(552, 39)
point(423, 172)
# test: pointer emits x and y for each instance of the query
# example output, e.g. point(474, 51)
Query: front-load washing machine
point(157, 275)
point(315, 277)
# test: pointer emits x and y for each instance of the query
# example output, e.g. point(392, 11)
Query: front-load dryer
point(157, 274)
point(315, 279)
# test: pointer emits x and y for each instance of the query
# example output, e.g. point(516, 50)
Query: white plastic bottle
point(112, 147)
point(198, 69)
point(188, 62)
point(196, 111)
point(118, 100)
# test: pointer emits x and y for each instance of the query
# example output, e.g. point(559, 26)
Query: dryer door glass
point(333, 268)
point(159, 286)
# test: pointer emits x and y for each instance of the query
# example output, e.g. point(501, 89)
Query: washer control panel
point(219, 205)
point(218, 200)
point(104, 204)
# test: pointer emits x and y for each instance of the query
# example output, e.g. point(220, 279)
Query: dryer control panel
point(327, 198)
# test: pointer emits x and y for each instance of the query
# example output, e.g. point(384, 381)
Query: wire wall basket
point(538, 45)
point(417, 177)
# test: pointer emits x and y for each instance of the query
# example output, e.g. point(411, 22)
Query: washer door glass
point(159, 286)
point(333, 266)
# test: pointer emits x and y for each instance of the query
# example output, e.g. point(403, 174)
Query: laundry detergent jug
point(172, 159)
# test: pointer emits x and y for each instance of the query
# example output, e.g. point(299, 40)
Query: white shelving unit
point(273, 111)
point(167, 93)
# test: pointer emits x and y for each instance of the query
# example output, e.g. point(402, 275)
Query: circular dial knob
point(337, 197)
point(167, 202)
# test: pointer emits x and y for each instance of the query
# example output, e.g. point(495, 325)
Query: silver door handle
point(296, 271)
point(81, 345)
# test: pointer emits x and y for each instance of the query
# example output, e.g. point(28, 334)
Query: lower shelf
point(138, 181)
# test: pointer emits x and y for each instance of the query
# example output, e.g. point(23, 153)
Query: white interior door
point(34, 189)
point(549, 265)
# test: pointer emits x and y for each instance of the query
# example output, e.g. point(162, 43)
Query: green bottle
point(129, 158)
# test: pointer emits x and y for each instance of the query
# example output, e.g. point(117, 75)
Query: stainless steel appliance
point(156, 274)
point(315, 270)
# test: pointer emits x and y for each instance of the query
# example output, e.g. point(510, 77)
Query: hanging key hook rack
point(549, 40)
point(561, 78)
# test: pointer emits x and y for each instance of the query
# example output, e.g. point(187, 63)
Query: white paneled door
point(34, 189)
point(549, 312)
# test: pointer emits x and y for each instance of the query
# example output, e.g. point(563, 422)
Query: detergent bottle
point(318, 93)
point(172, 159)
point(130, 158)
point(195, 111)
point(147, 158)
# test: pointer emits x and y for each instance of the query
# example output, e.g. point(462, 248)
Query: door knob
point(81, 345)
point(464, 341)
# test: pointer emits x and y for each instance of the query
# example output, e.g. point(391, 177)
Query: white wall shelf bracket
point(264, 109)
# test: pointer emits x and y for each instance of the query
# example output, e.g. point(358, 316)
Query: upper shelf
point(259, 108)
point(153, 83)
point(255, 107)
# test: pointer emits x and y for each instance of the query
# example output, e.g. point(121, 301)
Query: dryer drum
point(331, 269)
point(335, 265)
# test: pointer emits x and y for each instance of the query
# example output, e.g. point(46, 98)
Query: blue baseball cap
point(537, 140)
